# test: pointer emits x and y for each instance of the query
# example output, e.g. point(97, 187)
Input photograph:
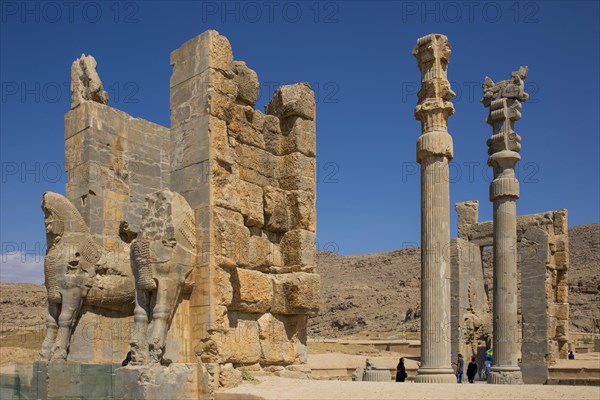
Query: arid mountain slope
point(375, 293)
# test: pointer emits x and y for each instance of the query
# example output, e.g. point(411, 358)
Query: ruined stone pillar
point(434, 151)
point(503, 100)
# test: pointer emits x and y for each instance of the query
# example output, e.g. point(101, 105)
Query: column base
point(435, 375)
point(505, 376)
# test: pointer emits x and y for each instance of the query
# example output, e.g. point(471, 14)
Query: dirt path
point(272, 388)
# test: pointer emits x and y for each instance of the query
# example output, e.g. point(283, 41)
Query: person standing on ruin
point(472, 370)
point(401, 371)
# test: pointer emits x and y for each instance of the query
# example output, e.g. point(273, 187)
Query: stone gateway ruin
point(189, 251)
point(543, 249)
point(192, 246)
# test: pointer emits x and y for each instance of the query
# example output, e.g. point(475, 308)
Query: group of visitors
point(472, 369)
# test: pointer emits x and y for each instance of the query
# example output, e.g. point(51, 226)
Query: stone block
point(562, 329)
point(245, 133)
point(217, 131)
point(252, 291)
point(561, 311)
point(299, 134)
point(303, 212)
point(208, 50)
point(562, 294)
point(276, 210)
point(140, 131)
point(190, 141)
point(222, 285)
point(298, 248)
point(193, 183)
point(534, 374)
point(297, 172)
point(251, 203)
point(293, 100)
point(561, 225)
point(468, 214)
point(561, 243)
point(238, 342)
point(261, 251)
point(231, 238)
point(561, 260)
point(256, 118)
point(276, 346)
point(229, 377)
point(78, 119)
point(237, 116)
point(256, 159)
point(221, 105)
point(295, 293)
point(247, 83)
point(60, 381)
point(101, 335)
point(226, 187)
point(273, 140)
point(157, 382)
point(272, 124)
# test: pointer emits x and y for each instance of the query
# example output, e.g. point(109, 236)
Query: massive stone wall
point(113, 161)
point(543, 249)
point(250, 178)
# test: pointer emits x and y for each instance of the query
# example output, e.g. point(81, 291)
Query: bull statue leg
point(162, 257)
point(139, 339)
point(166, 296)
point(71, 305)
point(51, 331)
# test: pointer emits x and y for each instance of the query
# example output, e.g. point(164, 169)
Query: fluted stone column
point(503, 99)
point(434, 151)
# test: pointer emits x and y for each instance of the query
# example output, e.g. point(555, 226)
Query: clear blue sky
point(357, 56)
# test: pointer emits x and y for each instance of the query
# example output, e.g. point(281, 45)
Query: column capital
point(434, 107)
point(503, 99)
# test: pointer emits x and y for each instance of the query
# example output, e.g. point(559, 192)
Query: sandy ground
point(273, 388)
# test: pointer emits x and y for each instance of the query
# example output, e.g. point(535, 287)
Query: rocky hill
point(378, 294)
point(370, 294)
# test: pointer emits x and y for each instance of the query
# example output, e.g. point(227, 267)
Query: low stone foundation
point(506, 377)
point(157, 382)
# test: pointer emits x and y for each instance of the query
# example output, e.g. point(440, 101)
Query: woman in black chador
point(472, 370)
point(400, 371)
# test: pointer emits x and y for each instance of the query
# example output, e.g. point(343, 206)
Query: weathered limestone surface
point(65, 380)
point(471, 320)
point(85, 82)
point(254, 205)
point(78, 271)
point(543, 249)
point(156, 382)
point(504, 102)
point(162, 259)
point(221, 262)
point(434, 151)
point(112, 161)
point(534, 250)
